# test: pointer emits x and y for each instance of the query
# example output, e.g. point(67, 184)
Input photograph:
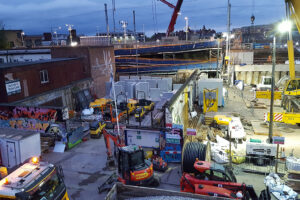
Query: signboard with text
point(13, 87)
point(278, 140)
point(190, 131)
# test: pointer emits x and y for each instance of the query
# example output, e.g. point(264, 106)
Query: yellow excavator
point(290, 96)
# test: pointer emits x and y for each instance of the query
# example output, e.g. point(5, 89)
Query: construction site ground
point(84, 171)
point(237, 102)
point(84, 164)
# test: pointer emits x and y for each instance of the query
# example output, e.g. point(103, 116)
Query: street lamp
point(186, 28)
point(283, 27)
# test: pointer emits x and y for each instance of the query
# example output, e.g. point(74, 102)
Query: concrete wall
point(252, 74)
point(177, 104)
point(242, 57)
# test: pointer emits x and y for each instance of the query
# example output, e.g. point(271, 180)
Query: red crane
point(174, 15)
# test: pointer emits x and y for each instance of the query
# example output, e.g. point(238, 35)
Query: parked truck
point(34, 180)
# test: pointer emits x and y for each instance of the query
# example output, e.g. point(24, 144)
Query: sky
point(88, 16)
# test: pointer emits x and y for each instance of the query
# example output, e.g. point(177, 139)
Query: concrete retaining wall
point(252, 74)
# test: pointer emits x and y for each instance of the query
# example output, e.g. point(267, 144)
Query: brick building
point(51, 82)
point(95, 59)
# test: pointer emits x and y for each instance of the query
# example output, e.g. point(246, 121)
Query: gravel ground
point(236, 102)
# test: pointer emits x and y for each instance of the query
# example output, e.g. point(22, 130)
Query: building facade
point(96, 60)
point(12, 38)
point(51, 82)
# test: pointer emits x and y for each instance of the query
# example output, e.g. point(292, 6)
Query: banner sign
point(13, 87)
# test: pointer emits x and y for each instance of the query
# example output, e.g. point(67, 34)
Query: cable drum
point(192, 151)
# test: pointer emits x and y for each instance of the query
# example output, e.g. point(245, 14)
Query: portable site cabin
point(16, 146)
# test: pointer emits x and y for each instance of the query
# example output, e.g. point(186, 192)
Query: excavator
point(133, 168)
point(290, 96)
point(109, 113)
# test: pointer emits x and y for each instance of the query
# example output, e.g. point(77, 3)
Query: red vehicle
point(133, 168)
point(216, 180)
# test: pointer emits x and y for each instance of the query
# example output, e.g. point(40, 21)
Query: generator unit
point(261, 153)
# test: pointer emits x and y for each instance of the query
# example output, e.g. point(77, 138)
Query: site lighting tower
point(186, 28)
point(283, 27)
point(124, 26)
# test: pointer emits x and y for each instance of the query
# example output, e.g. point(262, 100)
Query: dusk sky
point(38, 16)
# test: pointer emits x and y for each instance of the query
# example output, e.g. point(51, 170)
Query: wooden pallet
point(46, 143)
point(258, 129)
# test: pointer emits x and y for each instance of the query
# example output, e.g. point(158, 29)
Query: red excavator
point(217, 180)
point(133, 168)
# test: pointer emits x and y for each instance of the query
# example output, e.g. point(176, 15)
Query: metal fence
point(253, 164)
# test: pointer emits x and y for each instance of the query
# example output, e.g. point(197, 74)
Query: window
point(11, 44)
point(44, 76)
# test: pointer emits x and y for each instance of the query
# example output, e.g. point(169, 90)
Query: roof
point(24, 64)
point(11, 30)
point(25, 51)
point(23, 177)
point(15, 134)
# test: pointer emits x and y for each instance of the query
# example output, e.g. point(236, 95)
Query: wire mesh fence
point(250, 163)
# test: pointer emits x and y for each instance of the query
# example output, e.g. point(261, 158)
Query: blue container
point(172, 147)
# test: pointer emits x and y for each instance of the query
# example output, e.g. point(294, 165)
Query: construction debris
point(278, 188)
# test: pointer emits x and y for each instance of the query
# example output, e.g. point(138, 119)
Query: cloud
point(38, 16)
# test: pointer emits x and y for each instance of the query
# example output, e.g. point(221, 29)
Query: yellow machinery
point(147, 104)
point(291, 93)
point(34, 180)
point(131, 105)
point(139, 113)
point(96, 128)
point(222, 120)
point(210, 100)
point(99, 104)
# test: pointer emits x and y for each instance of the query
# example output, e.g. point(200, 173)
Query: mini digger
point(133, 168)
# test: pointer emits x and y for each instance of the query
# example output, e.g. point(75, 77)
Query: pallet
point(46, 143)
point(261, 130)
point(256, 105)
